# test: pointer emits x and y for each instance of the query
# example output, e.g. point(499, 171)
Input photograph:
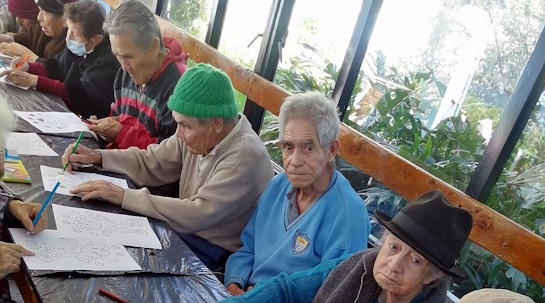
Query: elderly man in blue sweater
point(308, 214)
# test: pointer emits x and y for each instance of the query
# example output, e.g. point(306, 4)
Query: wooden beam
point(493, 231)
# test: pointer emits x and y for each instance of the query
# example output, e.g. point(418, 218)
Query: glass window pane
point(434, 87)
point(242, 28)
point(190, 15)
point(318, 36)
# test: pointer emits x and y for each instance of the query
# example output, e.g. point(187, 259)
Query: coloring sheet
point(53, 253)
point(2, 55)
point(68, 180)
point(28, 144)
point(86, 224)
point(3, 79)
point(54, 122)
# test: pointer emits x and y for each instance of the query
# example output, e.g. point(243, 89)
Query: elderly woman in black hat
point(419, 252)
point(50, 18)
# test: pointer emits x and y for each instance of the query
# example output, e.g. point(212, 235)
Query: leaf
point(518, 278)
point(441, 87)
point(427, 150)
point(495, 268)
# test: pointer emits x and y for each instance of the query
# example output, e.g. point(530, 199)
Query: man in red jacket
point(150, 68)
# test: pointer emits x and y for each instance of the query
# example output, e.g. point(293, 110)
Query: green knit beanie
point(204, 92)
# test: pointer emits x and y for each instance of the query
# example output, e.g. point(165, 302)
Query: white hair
point(313, 107)
point(132, 17)
point(7, 122)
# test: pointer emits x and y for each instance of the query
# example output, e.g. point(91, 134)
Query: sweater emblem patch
point(300, 243)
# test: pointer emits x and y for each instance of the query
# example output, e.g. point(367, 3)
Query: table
point(173, 274)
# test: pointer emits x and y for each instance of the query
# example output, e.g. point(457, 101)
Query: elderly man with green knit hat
point(222, 165)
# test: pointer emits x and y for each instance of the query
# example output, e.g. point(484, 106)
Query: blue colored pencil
point(2, 63)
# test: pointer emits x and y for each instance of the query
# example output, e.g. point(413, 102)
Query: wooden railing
point(493, 231)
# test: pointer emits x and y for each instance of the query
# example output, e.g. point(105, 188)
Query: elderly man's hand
point(82, 155)
point(16, 49)
point(10, 258)
point(6, 38)
point(108, 127)
point(20, 78)
point(100, 190)
point(235, 290)
point(26, 212)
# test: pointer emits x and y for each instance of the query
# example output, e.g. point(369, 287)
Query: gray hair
point(134, 18)
point(7, 122)
point(314, 107)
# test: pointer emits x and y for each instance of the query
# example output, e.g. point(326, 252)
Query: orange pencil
point(22, 62)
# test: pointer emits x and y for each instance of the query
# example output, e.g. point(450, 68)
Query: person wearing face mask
point(50, 30)
point(83, 74)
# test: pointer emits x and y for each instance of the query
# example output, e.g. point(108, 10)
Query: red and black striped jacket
point(143, 112)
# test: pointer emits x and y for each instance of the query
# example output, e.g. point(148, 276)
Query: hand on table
point(26, 212)
point(20, 78)
point(82, 155)
point(16, 49)
point(100, 190)
point(10, 258)
point(108, 127)
point(16, 60)
point(235, 290)
point(6, 38)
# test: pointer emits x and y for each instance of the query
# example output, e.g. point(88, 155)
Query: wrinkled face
point(197, 137)
point(52, 25)
point(135, 60)
point(25, 23)
point(400, 270)
point(303, 157)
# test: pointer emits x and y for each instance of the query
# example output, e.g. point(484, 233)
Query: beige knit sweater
point(215, 203)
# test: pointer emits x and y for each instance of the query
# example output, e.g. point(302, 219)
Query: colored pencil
point(112, 296)
point(4, 66)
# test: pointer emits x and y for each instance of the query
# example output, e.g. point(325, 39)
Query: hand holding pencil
point(44, 206)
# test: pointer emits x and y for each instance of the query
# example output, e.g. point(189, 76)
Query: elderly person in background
point(151, 67)
point(52, 25)
point(309, 213)
point(13, 212)
point(488, 295)
point(222, 165)
point(83, 74)
point(7, 20)
point(419, 252)
point(30, 35)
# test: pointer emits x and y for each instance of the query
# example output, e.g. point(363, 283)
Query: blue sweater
point(335, 225)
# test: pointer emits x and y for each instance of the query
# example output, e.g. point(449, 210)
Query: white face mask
point(77, 48)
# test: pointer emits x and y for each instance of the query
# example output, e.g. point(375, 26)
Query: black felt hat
point(434, 228)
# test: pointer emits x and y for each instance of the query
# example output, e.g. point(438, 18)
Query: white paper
point(54, 122)
point(3, 79)
point(53, 253)
point(5, 56)
point(86, 224)
point(28, 144)
point(68, 180)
